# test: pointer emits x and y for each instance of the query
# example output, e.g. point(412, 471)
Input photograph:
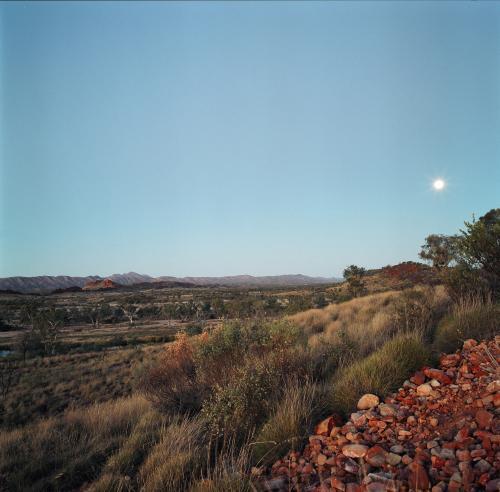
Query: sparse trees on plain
point(130, 311)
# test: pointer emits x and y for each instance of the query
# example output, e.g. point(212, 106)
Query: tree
point(354, 277)
point(219, 307)
point(439, 250)
point(47, 325)
point(130, 310)
point(93, 314)
point(479, 246)
point(320, 301)
point(42, 336)
point(478, 249)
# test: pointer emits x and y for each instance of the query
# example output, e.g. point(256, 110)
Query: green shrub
point(289, 424)
point(193, 330)
point(239, 407)
point(221, 351)
point(471, 318)
point(380, 373)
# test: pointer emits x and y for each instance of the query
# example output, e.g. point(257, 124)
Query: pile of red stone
point(441, 431)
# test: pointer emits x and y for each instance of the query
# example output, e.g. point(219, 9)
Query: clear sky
point(227, 138)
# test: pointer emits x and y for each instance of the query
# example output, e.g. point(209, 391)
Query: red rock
point(438, 375)
point(496, 400)
point(450, 360)
point(478, 453)
point(406, 459)
point(350, 466)
point(358, 419)
point(337, 484)
point(493, 387)
point(483, 419)
point(418, 478)
point(452, 439)
point(324, 427)
point(353, 487)
point(462, 434)
point(468, 344)
point(354, 450)
point(368, 401)
point(424, 390)
point(493, 485)
point(463, 455)
point(376, 456)
point(418, 378)
point(321, 459)
point(437, 462)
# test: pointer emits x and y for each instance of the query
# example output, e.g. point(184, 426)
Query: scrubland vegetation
point(216, 401)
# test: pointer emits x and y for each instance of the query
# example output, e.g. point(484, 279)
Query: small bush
point(220, 352)
point(172, 384)
point(239, 407)
point(290, 422)
point(380, 373)
point(193, 330)
point(470, 318)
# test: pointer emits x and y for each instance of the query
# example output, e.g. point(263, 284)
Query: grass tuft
point(379, 373)
point(470, 318)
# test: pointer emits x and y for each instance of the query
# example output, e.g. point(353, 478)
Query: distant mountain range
point(46, 284)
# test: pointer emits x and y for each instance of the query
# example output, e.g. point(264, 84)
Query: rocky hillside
point(46, 284)
point(441, 431)
point(101, 285)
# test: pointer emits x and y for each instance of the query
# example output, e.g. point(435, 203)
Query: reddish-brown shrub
point(171, 384)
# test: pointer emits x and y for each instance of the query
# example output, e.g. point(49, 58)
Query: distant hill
point(43, 284)
point(46, 284)
point(101, 285)
point(251, 281)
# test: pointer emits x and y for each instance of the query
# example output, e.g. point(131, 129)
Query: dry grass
point(178, 455)
point(47, 386)
point(229, 473)
point(380, 373)
point(64, 453)
point(288, 426)
point(375, 314)
point(470, 318)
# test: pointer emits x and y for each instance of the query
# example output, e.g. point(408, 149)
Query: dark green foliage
point(354, 277)
point(439, 250)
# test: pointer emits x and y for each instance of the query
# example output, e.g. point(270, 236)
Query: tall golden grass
point(367, 321)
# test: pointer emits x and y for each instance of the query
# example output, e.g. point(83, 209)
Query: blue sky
point(225, 138)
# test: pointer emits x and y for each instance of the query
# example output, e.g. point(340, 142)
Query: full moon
point(438, 184)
